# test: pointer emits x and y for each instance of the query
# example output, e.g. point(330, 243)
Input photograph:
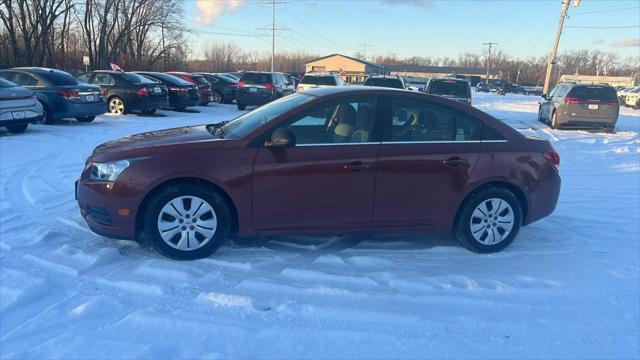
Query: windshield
point(383, 82)
point(250, 121)
point(318, 80)
point(256, 78)
point(449, 87)
point(6, 83)
point(136, 79)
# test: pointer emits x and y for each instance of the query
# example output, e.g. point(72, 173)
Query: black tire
point(46, 115)
point(554, 120)
point(181, 108)
point(163, 196)
point(242, 107)
point(462, 227)
point(149, 111)
point(18, 129)
point(540, 114)
point(86, 118)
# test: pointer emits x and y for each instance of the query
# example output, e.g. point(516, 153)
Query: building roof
point(351, 58)
point(443, 69)
point(595, 78)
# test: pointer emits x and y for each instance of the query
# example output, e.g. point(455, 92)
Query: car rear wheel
point(489, 220)
point(217, 98)
point(636, 106)
point(540, 114)
point(17, 129)
point(46, 115)
point(86, 118)
point(242, 107)
point(116, 106)
point(149, 111)
point(554, 121)
point(187, 221)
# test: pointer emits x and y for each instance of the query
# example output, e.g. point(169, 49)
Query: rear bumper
point(73, 110)
point(544, 199)
point(149, 104)
point(258, 98)
point(20, 116)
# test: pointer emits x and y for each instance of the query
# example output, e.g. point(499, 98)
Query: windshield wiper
point(213, 128)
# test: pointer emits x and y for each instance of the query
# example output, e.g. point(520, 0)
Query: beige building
point(473, 74)
point(351, 70)
point(591, 79)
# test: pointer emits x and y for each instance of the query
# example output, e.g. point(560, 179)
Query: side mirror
point(281, 138)
point(544, 96)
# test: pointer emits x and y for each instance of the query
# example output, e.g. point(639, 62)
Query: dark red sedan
point(326, 161)
point(204, 87)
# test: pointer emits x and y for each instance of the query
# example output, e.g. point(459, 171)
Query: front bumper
point(103, 212)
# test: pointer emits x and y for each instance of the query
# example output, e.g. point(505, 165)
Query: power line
point(606, 10)
point(604, 27)
point(273, 29)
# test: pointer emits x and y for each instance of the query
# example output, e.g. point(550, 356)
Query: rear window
point(6, 83)
point(59, 78)
point(200, 80)
point(318, 80)
point(593, 93)
point(449, 87)
point(136, 79)
point(256, 78)
point(382, 82)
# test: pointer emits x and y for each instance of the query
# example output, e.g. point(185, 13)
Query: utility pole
point(518, 76)
point(490, 44)
point(365, 46)
point(552, 56)
point(274, 29)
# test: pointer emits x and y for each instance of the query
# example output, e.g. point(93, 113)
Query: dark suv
point(223, 87)
point(61, 94)
point(126, 92)
point(454, 89)
point(259, 88)
point(182, 93)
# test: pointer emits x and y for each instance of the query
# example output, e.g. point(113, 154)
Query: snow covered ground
point(567, 287)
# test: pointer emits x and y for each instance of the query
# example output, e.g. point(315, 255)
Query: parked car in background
point(258, 88)
point(294, 79)
point(126, 92)
point(302, 179)
point(571, 105)
point(236, 74)
point(204, 87)
point(229, 76)
point(18, 107)
point(61, 94)
point(630, 97)
point(387, 81)
point(182, 94)
point(223, 87)
point(482, 87)
point(454, 89)
point(532, 90)
point(319, 80)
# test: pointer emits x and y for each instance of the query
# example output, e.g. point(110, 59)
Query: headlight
point(108, 171)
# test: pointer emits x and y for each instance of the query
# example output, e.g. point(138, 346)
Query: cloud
point(408, 2)
point(627, 43)
point(209, 10)
point(598, 41)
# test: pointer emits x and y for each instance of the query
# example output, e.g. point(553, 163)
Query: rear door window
point(421, 121)
point(104, 80)
point(25, 79)
point(256, 78)
point(599, 93)
point(136, 79)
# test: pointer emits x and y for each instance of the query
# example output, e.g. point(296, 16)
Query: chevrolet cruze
point(339, 160)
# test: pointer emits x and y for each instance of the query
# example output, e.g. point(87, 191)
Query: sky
point(415, 27)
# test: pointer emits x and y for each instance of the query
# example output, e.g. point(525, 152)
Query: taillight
point(241, 84)
point(552, 157)
point(142, 92)
point(575, 101)
point(103, 93)
point(69, 95)
point(180, 90)
point(269, 86)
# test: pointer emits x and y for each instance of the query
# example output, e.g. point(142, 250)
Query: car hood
point(155, 139)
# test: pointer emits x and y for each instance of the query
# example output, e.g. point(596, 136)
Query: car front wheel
point(489, 220)
point(86, 118)
point(242, 107)
point(187, 221)
point(17, 129)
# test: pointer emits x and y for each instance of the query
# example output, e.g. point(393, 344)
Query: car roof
point(324, 73)
point(355, 90)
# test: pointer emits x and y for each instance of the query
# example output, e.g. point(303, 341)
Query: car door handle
point(357, 166)
point(455, 161)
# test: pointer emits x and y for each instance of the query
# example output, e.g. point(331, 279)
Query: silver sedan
point(18, 107)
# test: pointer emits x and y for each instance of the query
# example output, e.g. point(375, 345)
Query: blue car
point(61, 94)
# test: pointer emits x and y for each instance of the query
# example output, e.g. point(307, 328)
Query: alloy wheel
point(217, 98)
point(492, 221)
point(116, 106)
point(187, 223)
